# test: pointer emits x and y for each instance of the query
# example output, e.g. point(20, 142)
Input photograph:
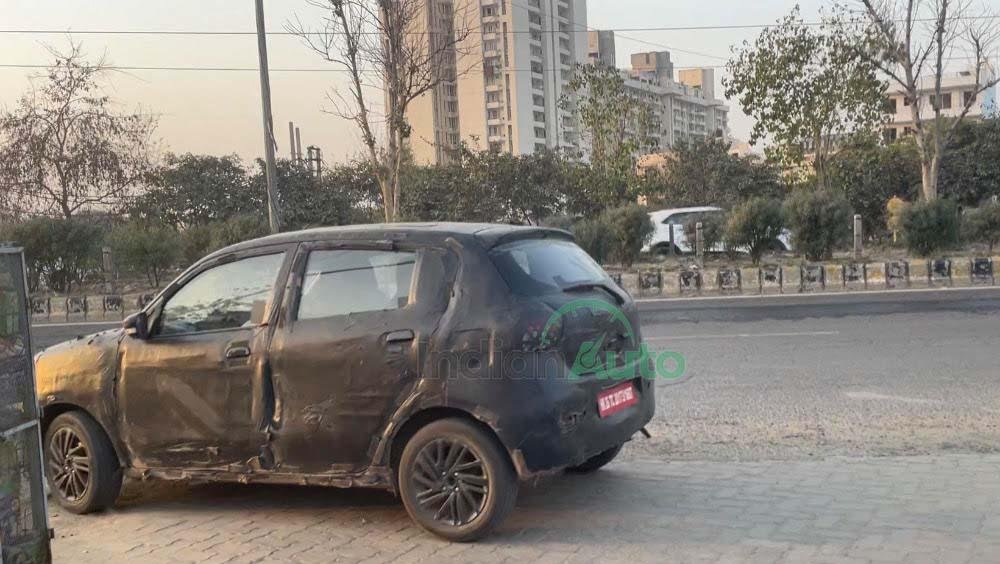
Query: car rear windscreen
point(541, 266)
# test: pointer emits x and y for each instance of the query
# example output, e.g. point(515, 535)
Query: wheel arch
point(426, 416)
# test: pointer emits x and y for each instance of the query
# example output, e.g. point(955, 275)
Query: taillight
point(540, 331)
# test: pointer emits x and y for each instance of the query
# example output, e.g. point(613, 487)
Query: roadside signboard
point(24, 531)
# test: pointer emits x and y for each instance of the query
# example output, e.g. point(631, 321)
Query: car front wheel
point(80, 463)
point(456, 481)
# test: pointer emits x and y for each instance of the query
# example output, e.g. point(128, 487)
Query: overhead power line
point(302, 70)
point(195, 32)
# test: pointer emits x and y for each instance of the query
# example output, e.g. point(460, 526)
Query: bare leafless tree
point(64, 148)
point(403, 49)
point(913, 53)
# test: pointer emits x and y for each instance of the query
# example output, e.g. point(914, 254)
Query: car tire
point(478, 495)
point(663, 249)
point(80, 463)
point(596, 462)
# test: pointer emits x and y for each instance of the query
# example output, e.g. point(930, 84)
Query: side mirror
point(137, 325)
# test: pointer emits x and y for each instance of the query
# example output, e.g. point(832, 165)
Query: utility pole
point(269, 143)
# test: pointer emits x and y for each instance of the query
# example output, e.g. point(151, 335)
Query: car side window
point(341, 282)
point(222, 297)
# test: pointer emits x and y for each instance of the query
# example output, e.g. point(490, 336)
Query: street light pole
point(265, 95)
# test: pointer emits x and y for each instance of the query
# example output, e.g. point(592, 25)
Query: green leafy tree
point(820, 221)
point(869, 174)
point(754, 226)
point(931, 226)
point(238, 229)
point(191, 189)
point(807, 87)
point(705, 173)
point(150, 249)
point(629, 229)
point(307, 200)
point(971, 173)
point(982, 225)
point(616, 126)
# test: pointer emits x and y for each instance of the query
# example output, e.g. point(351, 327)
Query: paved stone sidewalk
point(910, 509)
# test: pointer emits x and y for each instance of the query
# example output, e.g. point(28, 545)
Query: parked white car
point(674, 220)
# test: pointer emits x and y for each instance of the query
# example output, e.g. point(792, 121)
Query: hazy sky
point(219, 112)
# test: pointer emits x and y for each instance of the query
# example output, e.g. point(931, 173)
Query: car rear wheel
point(597, 461)
point(80, 463)
point(456, 481)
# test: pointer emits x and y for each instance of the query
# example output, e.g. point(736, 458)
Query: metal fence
point(24, 531)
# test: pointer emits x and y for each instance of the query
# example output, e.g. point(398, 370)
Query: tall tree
point(705, 173)
point(191, 190)
point(390, 56)
point(64, 148)
point(616, 126)
point(807, 87)
point(915, 58)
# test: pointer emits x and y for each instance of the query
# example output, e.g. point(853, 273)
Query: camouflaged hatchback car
point(436, 361)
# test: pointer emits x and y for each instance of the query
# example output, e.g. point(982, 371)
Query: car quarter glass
point(222, 297)
point(341, 282)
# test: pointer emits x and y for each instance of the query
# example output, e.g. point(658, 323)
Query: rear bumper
point(568, 430)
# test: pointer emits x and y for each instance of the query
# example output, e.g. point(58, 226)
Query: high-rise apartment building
point(653, 65)
point(684, 110)
point(509, 75)
point(601, 48)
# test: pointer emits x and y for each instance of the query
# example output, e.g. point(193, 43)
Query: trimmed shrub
point(895, 209)
point(593, 236)
point(148, 249)
point(60, 253)
point(820, 222)
point(982, 225)
point(931, 226)
point(754, 226)
point(629, 229)
point(713, 228)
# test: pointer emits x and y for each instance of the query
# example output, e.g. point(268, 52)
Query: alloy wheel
point(69, 463)
point(450, 481)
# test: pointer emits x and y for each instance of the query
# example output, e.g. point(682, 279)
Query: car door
point(190, 394)
point(350, 351)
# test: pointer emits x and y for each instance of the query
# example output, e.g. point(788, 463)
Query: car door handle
point(400, 336)
point(238, 351)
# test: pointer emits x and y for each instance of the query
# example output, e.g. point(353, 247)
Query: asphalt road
point(795, 377)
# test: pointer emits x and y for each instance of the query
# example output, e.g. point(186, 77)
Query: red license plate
point(615, 399)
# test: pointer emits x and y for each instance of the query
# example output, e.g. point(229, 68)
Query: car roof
point(672, 211)
point(487, 234)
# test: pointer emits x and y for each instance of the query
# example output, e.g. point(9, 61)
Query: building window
point(540, 132)
point(538, 100)
point(493, 114)
point(890, 134)
point(945, 101)
point(540, 117)
point(967, 98)
point(890, 106)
